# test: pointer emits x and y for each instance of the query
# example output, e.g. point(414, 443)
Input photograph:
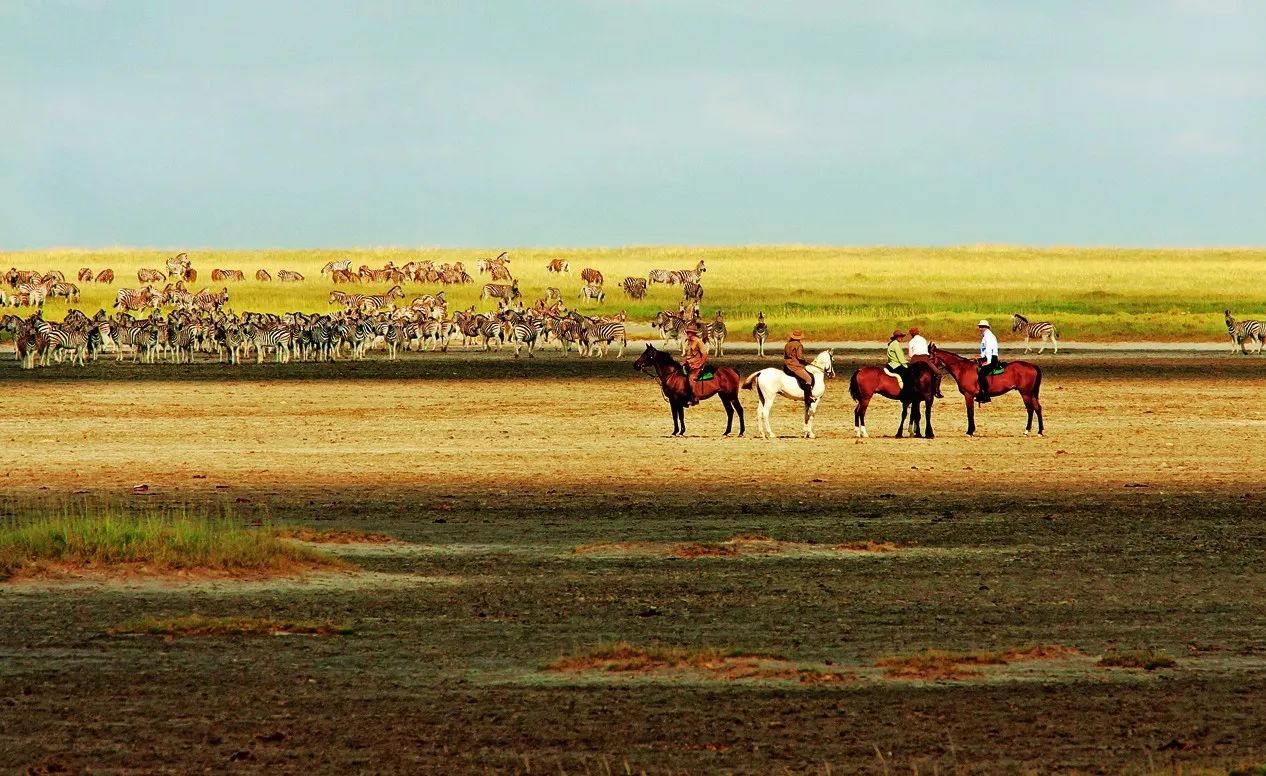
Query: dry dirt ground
point(1136, 522)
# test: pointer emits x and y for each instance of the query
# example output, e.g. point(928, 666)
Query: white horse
point(773, 381)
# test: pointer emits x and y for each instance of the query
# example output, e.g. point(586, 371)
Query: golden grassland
point(1091, 294)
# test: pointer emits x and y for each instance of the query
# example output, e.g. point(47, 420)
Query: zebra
point(1040, 330)
point(262, 275)
point(287, 276)
point(144, 275)
point(717, 332)
point(634, 287)
point(594, 292)
point(336, 266)
point(558, 266)
point(591, 276)
point(760, 333)
point(605, 333)
point(693, 290)
point(220, 275)
point(59, 338)
point(134, 298)
point(665, 276)
point(1244, 330)
point(500, 291)
point(279, 337)
point(520, 332)
point(177, 264)
point(84, 276)
point(670, 326)
point(105, 276)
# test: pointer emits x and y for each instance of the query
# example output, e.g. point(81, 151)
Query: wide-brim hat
point(898, 334)
point(983, 324)
point(795, 334)
point(692, 329)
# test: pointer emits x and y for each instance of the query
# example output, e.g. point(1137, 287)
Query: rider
point(897, 361)
point(793, 362)
point(988, 360)
point(918, 351)
point(694, 354)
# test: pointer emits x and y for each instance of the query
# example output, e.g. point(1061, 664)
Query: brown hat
point(692, 329)
point(795, 334)
point(914, 330)
point(898, 334)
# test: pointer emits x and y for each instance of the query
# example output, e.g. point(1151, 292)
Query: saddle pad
point(890, 373)
point(999, 369)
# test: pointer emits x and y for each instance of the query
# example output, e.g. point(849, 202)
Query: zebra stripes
point(1039, 330)
point(760, 333)
point(1239, 331)
point(634, 287)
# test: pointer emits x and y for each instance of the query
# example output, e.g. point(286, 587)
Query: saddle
point(706, 372)
point(999, 369)
point(896, 376)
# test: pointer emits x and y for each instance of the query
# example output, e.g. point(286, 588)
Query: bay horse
point(920, 387)
point(1020, 376)
point(725, 383)
point(771, 382)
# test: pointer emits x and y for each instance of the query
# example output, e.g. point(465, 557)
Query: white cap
point(984, 323)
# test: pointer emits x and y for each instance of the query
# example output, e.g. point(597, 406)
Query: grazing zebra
point(717, 332)
point(665, 276)
point(760, 333)
point(692, 290)
point(190, 275)
point(1244, 330)
point(85, 275)
point(134, 298)
point(1040, 330)
point(150, 276)
point(105, 276)
point(219, 275)
point(376, 302)
point(591, 276)
point(177, 264)
point(336, 266)
point(263, 276)
point(68, 290)
point(594, 292)
point(500, 291)
point(287, 276)
point(559, 266)
point(553, 294)
point(634, 287)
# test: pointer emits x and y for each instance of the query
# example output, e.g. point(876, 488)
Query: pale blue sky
point(594, 122)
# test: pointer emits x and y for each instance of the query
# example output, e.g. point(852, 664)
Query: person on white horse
point(771, 382)
point(793, 363)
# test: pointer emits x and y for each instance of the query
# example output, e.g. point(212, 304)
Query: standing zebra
point(760, 333)
point(692, 290)
point(634, 287)
point(591, 276)
point(592, 291)
point(716, 332)
point(1039, 330)
point(1244, 330)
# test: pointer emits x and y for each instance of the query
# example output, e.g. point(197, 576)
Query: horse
point(1021, 376)
point(725, 383)
point(771, 382)
point(920, 387)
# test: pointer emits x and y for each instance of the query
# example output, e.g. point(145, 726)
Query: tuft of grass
point(942, 664)
point(116, 539)
point(1149, 659)
point(199, 625)
point(869, 545)
point(724, 664)
point(300, 533)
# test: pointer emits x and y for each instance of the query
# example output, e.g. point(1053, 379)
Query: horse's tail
point(750, 380)
point(1037, 381)
point(853, 390)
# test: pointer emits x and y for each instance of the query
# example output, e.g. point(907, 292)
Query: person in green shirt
point(897, 361)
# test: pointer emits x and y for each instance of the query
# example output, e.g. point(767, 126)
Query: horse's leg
point(971, 415)
point(809, 410)
point(1037, 405)
point(916, 419)
point(860, 413)
point(927, 409)
point(729, 412)
point(738, 405)
point(901, 427)
point(1028, 406)
point(675, 410)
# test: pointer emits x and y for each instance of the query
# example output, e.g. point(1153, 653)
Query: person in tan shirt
point(793, 362)
point(694, 354)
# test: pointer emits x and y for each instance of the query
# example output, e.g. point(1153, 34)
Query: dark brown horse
point(1017, 375)
point(920, 387)
point(725, 384)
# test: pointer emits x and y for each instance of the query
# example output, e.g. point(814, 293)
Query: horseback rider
point(694, 354)
point(897, 361)
point(988, 360)
point(918, 351)
point(794, 362)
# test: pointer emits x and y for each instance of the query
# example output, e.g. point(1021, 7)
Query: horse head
point(823, 361)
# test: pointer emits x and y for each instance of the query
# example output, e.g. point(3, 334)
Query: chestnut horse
point(1017, 375)
point(920, 387)
point(672, 382)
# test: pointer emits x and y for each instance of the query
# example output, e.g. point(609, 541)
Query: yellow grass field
point(1092, 295)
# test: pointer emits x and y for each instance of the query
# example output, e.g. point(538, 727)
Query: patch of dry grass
point(1148, 659)
point(934, 664)
point(742, 544)
point(300, 533)
point(199, 625)
point(729, 665)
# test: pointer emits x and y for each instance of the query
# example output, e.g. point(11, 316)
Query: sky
point(619, 122)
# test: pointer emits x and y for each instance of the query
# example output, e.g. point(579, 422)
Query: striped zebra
point(589, 291)
point(278, 336)
point(634, 287)
point(558, 266)
point(500, 291)
point(336, 266)
point(59, 339)
point(591, 276)
point(520, 333)
point(717, 332)
point(84, 276)
point(177, 264)
point(105, 276)
point(1039, 330)
point(665, 276)
point(262, 276)
point(1239, 331)
point(760, 333)
point(603, 333)
point(670, 326)
point(692, 290)
point(220, 275)
point(288, 276)
point(134, 298)
point(144, 275)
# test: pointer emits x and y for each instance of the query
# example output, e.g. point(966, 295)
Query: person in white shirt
point(918, 345)
point(988, 360)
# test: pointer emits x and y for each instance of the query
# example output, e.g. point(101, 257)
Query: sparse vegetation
point(832, 293)
point(743, 544)
point(199, 625)
point(940, 664)
point(107, 539)
point(1149, 659)
point(624, 658)
point(300, 533)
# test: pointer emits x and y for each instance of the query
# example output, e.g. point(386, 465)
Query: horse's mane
point(663, 356)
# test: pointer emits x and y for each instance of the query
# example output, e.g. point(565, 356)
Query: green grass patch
point(114, 539)
point(199, 625)
point(1149, 659)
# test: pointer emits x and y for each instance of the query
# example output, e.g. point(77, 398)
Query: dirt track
point(1135, 522)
